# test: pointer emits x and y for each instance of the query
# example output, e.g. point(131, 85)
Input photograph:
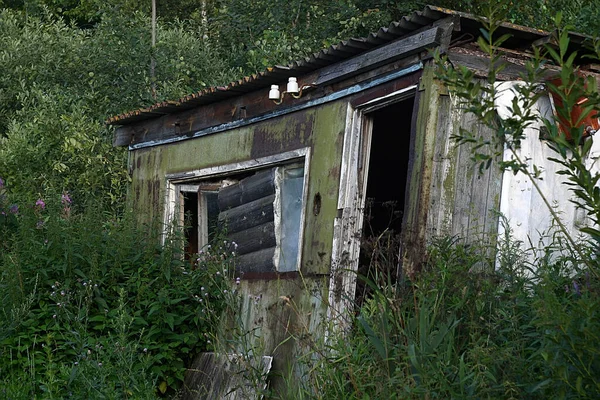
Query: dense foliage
point(61, 82)
point(92, 307)
point(467, 328)
point(95, 307)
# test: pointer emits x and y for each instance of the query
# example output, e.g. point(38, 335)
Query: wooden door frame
point(351, 202)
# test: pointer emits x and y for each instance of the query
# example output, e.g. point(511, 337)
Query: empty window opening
point(199, 215)
point(190, 212)
point(260, 211)
point(385, 196)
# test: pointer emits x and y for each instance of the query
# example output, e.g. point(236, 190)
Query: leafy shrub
point(61, 82)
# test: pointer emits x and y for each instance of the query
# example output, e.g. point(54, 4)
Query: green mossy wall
point(273, 309)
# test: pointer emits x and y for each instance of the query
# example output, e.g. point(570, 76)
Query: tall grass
point(467, 328)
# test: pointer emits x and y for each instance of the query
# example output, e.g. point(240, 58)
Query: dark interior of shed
point(190, 207)
point(386, 186)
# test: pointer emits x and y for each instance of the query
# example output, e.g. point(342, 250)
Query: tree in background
point(59, 84)
point(68, 64)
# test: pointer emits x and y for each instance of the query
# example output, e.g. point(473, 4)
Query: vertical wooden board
point(530, 220)
point(464, 181)
point(324, 175)
point(280, 318)
point(420, 172)
point(492, 199)
point(480, 190)
point(557, 193)
point(442, 196)
point(347, 225)
point(226, 377)
point(515, 201)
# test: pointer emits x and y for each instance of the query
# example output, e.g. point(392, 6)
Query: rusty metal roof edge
point(327, 56)
point(316, 60)
point(278, 112)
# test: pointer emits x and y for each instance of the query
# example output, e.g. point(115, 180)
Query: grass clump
point(471, 325)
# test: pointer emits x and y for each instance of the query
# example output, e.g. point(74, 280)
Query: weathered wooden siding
point(464, 200)
point(281, 318)
point(273, 310)
point(447, 194)
point(420, 170)
point(327, 144)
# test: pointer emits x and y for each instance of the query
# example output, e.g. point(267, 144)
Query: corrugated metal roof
point(331, 55)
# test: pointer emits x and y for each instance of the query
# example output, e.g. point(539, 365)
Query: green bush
point(60, 83)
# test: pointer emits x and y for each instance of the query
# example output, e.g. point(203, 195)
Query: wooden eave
point(183, 119)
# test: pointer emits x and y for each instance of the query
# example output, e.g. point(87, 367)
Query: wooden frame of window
point(210, 180)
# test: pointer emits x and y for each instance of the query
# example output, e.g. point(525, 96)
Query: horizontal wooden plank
point(382, 55)
point(513, 63)
point(248, 189)
point(248, 215)
point(187, 121)
point(124, 135)
point(257, 262)
point(254, 239)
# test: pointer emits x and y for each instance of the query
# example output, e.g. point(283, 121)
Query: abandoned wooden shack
point(290, 176)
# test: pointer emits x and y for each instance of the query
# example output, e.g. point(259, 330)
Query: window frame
point(210, 179)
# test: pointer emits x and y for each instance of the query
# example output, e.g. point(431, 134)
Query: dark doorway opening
point(385, 196)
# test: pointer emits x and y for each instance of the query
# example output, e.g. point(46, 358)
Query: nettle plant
point(550, 69)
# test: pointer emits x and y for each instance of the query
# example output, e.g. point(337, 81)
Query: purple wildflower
point(39, 224)
point(576, 288)
point(1, 183)
point(40, 203)
point(588, 282)
point(65, 199)
point(14, 209)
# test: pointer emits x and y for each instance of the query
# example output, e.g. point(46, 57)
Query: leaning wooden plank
point(248, 215)
point(254, 239)
point(441, 195)
point(379, 56)
point(226, 376)
point(248, 189)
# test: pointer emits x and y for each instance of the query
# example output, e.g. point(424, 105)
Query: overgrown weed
point(94, 306)
point(466, 327)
